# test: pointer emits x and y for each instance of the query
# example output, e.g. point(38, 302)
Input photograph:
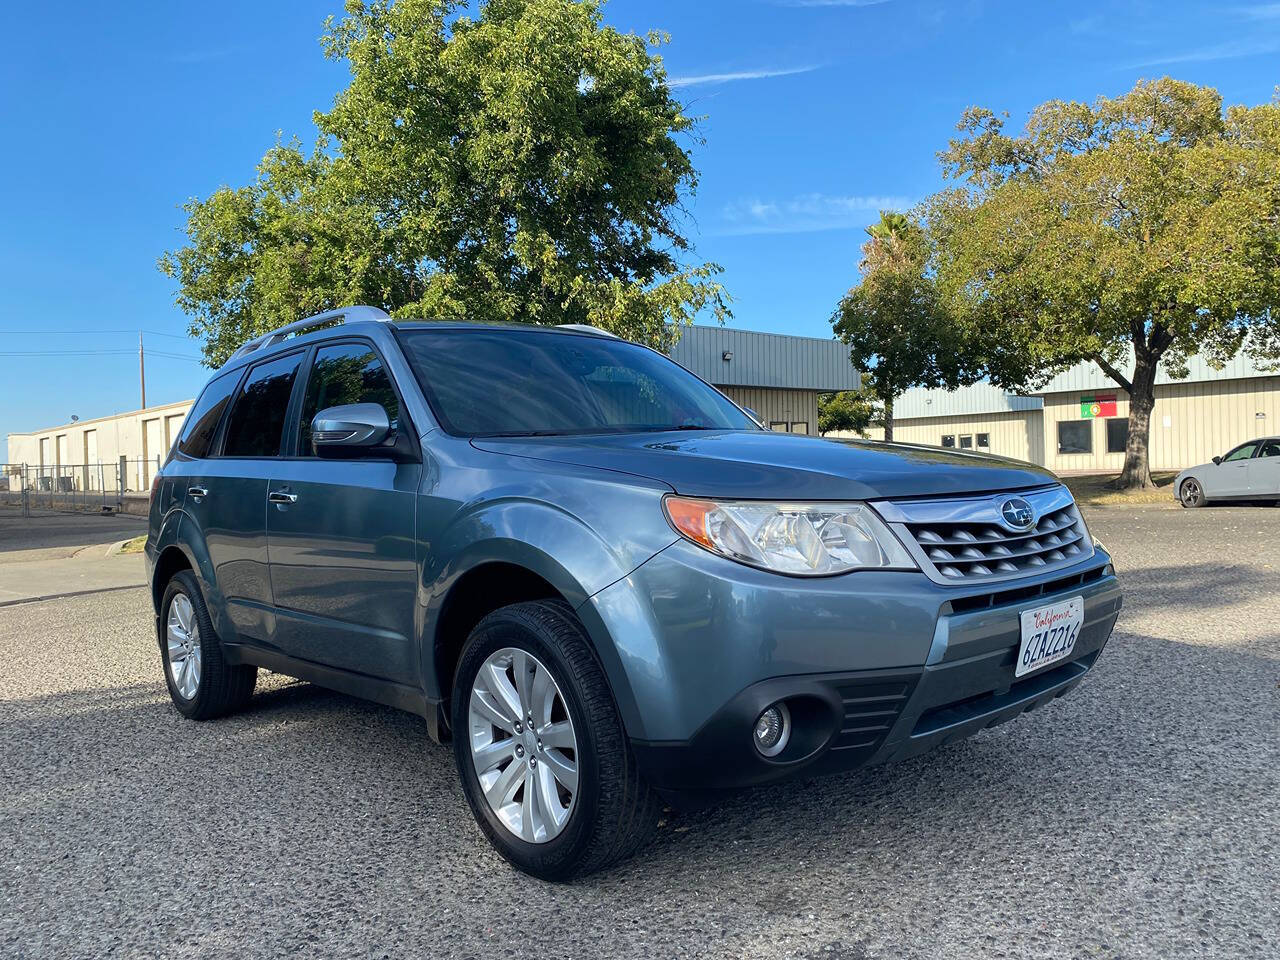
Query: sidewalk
point(46, 557)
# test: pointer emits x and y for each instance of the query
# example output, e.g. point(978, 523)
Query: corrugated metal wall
point(1088, 376)
point(1019, 434)
point(976, 399)
point(1192, 422)
point(792, 407)
point(766, 359)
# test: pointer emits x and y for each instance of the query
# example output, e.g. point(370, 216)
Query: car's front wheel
point(544, 761)
point(1191, 493)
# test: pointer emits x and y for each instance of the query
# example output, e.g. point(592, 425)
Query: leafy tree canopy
point(524, 165)
point(897, 327)
point(1142, 228)
point(849, 411)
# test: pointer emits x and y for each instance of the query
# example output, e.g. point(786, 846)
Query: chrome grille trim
point(965, 540)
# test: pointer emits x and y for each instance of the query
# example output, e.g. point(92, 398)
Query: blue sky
point(816, 114)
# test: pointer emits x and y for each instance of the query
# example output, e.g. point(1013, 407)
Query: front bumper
point(894, 668)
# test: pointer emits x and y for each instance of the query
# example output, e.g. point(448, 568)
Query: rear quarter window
point(202, 421)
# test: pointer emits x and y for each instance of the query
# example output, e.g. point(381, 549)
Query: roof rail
point(298, 327)
point(587, 328)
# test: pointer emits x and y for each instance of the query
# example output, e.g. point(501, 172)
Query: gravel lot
point(1138, 817)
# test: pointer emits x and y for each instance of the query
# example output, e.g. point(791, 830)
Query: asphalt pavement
point(1137, 817)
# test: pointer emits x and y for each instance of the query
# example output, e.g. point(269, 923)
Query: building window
point(778, 425)
point(1075, 436)
point(984, 441)
point(1117, 434)
point(948, 439)
point(966, 442)
point(799, 426)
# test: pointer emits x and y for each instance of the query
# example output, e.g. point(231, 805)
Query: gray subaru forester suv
point(598, 577)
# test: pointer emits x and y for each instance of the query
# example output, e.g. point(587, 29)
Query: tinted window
point(1075, 436)
point(202, 421)
point(1270, 448)
point(257, 418)
point(341, 374)
point(516, 382)
point(1117, 434)
point(1242, 452)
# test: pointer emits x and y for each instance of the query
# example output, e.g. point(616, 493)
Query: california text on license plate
point(1049, 634)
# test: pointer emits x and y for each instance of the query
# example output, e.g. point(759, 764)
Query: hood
point(763, 465)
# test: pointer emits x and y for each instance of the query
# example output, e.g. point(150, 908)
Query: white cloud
point(711, 78)
point(1229, 50)
point(806, 213)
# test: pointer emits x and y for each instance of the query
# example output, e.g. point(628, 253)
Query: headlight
point(809, 539)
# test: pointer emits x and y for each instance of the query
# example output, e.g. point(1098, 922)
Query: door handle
point(279, 496)
point(197, 492)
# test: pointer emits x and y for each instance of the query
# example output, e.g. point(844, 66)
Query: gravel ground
point(1138, 817)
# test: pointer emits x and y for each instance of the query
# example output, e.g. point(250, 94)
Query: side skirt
point(361, 685)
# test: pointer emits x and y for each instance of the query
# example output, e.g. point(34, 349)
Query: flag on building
point(1098, 406)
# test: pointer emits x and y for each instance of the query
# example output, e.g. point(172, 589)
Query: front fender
point(546, 540)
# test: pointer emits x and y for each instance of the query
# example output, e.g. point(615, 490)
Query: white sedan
point(1250, 471)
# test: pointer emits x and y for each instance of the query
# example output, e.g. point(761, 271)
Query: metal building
point(776, 375)
point(1078, 421)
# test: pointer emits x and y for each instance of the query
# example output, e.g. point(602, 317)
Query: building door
point(172, 427)
point(91, 474)
point(153, 445)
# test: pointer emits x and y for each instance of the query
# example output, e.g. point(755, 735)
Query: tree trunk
point(888, 418)
point(1142, 399)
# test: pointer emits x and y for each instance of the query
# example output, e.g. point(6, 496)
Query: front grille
point(966, 540)
point(870, 709)
point(963, 550)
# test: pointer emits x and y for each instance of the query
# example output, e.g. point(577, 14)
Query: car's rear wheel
point(544, 761)
point(1191, 493)
point(201, 683)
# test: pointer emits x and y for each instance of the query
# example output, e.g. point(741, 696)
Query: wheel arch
point(500, 574)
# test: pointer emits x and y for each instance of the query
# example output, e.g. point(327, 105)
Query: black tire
point(615, 811)
point(222, 688)
point(1191, 493)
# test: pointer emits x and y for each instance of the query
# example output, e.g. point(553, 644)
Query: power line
point(90, 333)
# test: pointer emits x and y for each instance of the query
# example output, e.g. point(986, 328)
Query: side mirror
point(351, 430)
point(1217, 460)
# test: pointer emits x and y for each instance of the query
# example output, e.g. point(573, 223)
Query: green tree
point(894, 321)
point(522, 165)
point(1138, 230)
point(848, 410)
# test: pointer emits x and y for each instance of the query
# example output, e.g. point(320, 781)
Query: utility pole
point(142, 372)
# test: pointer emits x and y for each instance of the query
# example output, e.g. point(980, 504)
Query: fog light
point(773, 730)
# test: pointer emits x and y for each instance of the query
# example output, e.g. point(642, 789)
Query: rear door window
point(202, 421)
point(257, 419)
point(346, 373)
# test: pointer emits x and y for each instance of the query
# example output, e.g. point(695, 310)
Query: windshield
point(539, 383)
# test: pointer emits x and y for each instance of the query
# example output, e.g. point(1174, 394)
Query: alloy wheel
point(1190, 493)
point(523, 745)
point(182, 635)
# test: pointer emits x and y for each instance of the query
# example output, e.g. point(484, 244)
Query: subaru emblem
point(1017, 514)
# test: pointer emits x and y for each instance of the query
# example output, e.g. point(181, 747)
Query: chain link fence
point(30, 490)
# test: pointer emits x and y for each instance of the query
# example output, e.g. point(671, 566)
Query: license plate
point(1049, 634)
